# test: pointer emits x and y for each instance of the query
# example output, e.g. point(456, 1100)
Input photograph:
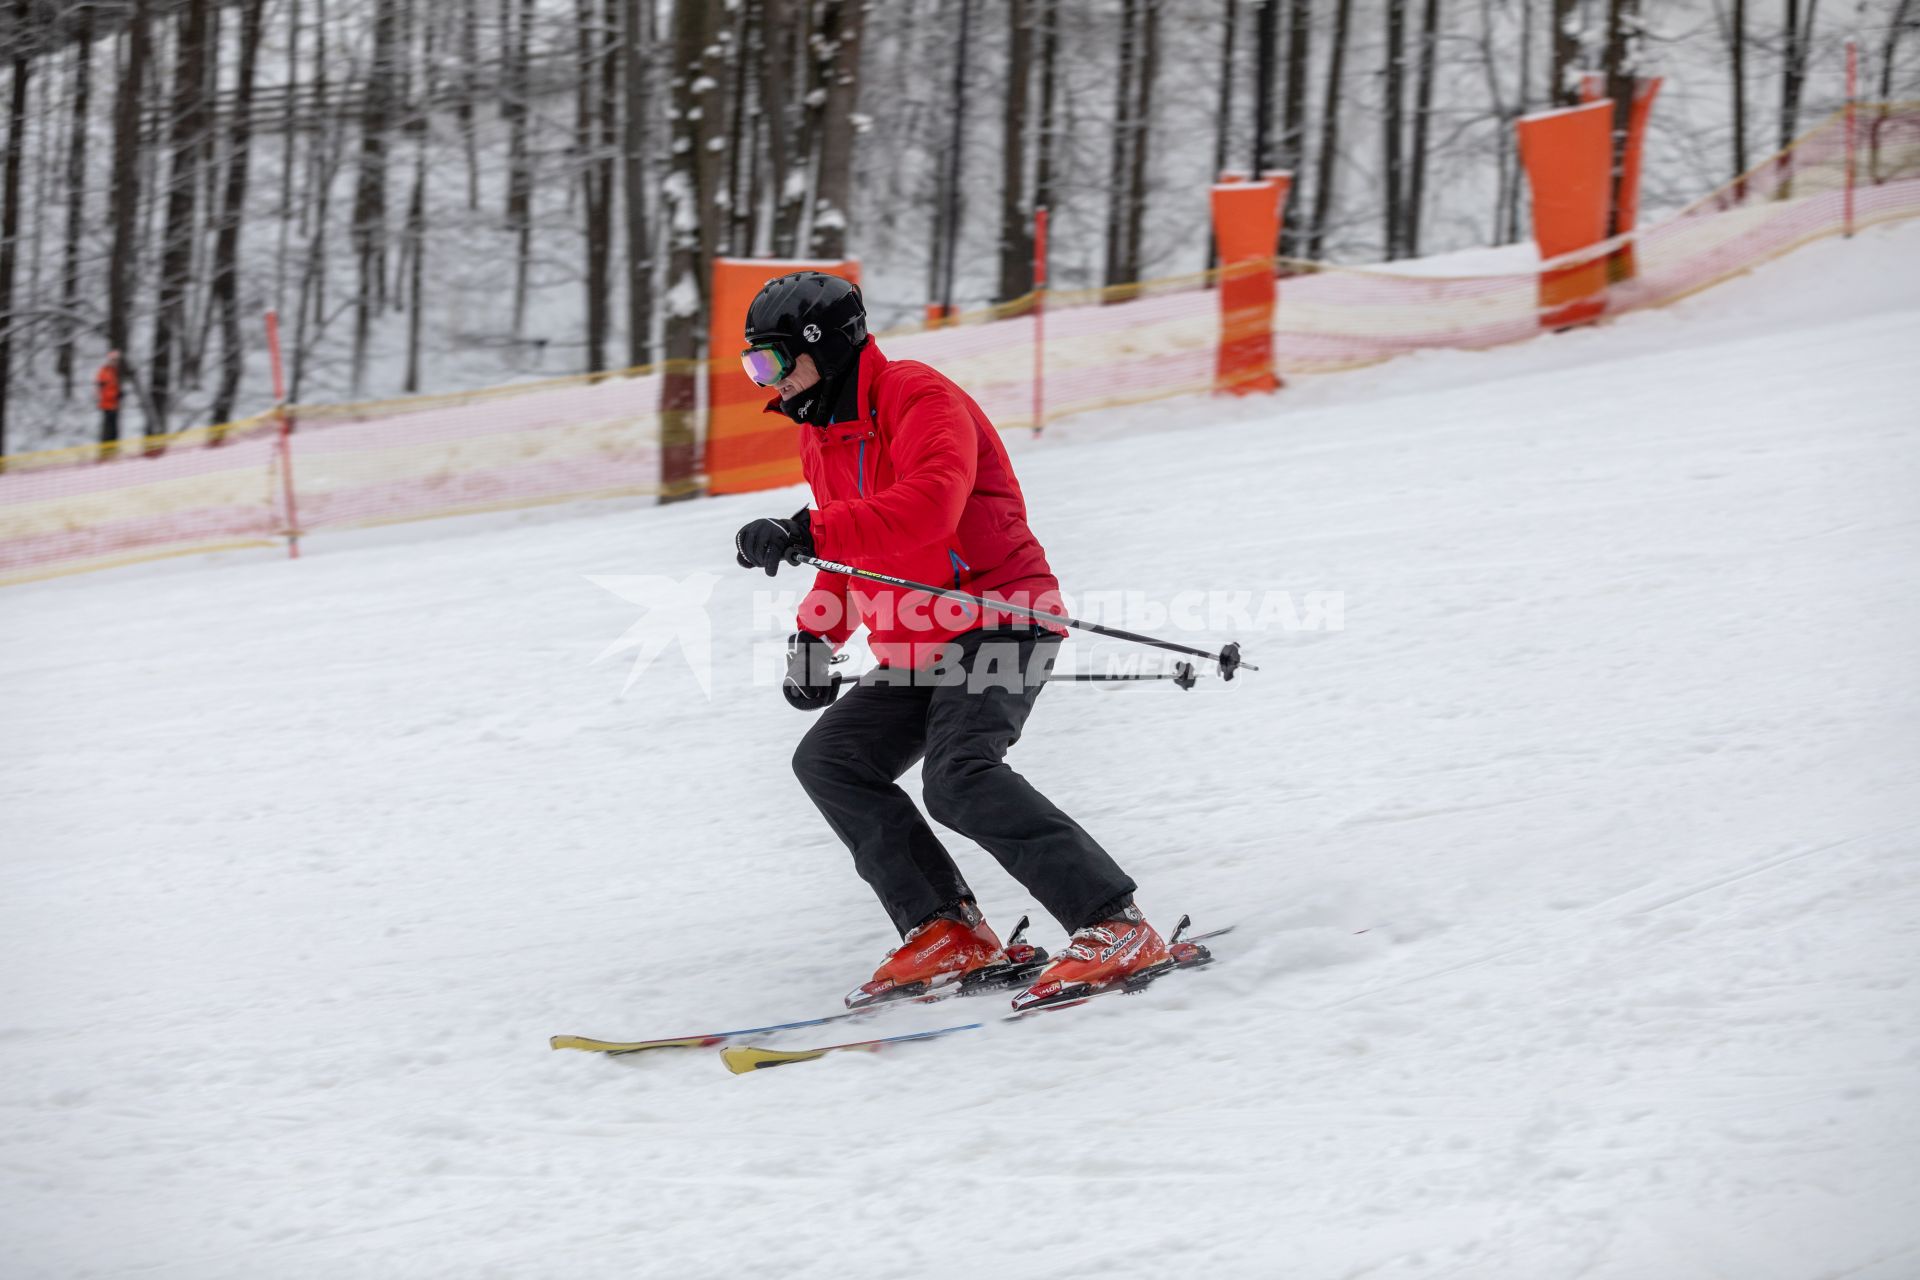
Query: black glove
point(809, 685)
point(767, 543)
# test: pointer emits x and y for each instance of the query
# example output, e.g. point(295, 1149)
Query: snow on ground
point(1613, 761)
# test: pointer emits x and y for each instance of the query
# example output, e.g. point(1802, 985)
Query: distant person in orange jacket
point(108, 383)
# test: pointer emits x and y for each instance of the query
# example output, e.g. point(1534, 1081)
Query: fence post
point(1853, 95)
point(1039, 318)
point(286, 432)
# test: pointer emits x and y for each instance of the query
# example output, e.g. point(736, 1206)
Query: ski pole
point(1228, 657)
point(1182, 675)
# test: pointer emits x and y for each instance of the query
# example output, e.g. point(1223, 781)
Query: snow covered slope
point(1614, 761)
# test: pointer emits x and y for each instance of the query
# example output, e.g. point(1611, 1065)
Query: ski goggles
point(766, 365)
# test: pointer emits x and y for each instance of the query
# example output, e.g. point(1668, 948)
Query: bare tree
point(516, 34)
point(949, 219)
point(1621, 65)
point(1422, 114)
point(636, 31)
point(176, 259)
point(323, 162)
point(595, 133)
point(1043, 189)
point(226, 258)
point(1016, 237)
point(414, 252)
point(1293, 118)
point(1142, 115)
point(1564, 91)
point(76, 191)
point(370, 190)
point(694, 29)
point(463, 107)
point(837, 55)
point(1796, 43)
point(1119, 188)
point(1737, 47)
point(785, 28)
point(10, 202)
point(1393, 122)
point(289, 152)
point(1266, 26)
point(1329, 130)
point(742, 131)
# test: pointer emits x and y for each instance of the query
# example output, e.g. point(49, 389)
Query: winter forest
point(441, 194)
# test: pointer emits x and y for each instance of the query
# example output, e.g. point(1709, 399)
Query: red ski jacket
point(919, 486)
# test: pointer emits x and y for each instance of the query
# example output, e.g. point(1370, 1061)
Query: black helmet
point(809, 313)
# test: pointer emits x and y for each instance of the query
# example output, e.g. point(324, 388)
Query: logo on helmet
point(811, 333)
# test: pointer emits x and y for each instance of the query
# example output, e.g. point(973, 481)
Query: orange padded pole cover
point(746, 448)
point(1569, 159)
point(1246, 228)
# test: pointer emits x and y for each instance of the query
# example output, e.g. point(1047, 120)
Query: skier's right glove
point(809, 685)
point(766, 543)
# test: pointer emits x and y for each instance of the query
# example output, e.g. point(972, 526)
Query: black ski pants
point(961, 719)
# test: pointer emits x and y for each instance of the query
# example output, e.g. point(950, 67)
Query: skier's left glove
point(809, 685)
point(767, 543)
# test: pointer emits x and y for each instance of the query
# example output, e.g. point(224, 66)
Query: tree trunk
point(1016, 236)
point(1266, 28)
point(1565, 89)
point(1117, 168)
point(187, 119)
point(1621, 63)
point(226, 257)
point(289, 150)
point(1798, 42)
point(693, 31)
point(637, 32)
point(710, 133)
point(516, 35)
point(595, 177)
point(1293, 122)
point(76, 192)
point(10, 202)
point(737, 239)
point(1329, 131)
point(1891, 46)
point(1137, 162)
point(414, 291)
point(790, 148)
point(956, 154)
point(1043, 193)
point(1422, 114)
point(463, 110)
point(370, 191)
point(1393, 121)
point(1737, 46)
point(207, 165)
point(323, 164)
point(838, 49)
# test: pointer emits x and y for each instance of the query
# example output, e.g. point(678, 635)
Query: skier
point(909, 478)
point(107, 385)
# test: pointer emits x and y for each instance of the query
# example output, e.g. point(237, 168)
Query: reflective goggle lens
point(765, 365)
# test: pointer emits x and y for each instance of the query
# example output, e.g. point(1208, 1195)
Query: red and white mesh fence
point(595, 437)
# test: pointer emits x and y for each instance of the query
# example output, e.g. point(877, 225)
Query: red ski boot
point(1123, 950)
point(955, 946)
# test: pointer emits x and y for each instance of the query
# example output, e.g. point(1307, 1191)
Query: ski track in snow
point(1614, 762)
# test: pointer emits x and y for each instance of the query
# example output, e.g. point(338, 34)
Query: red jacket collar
point(872, 361)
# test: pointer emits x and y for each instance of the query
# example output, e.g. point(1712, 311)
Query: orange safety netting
point(601, 436)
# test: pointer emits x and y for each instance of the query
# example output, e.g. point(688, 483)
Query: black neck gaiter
point(830, 400)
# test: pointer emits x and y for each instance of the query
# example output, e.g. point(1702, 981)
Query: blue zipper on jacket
point(860, 469)
point(958, 565)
